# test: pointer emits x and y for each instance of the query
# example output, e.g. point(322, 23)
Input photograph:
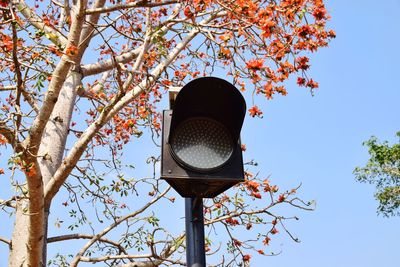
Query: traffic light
point(201, 150)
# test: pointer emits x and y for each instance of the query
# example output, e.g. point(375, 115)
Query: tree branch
point(107, 114)
point(85, 236)
point(58, 78)
point(136, 4)
point(109, 64)
point(106, 65)
point(18, 75)
point(38, 23)
point(8, 88)
point(171, 248)
point(6, 241)
point(87, 32)
point(114, 257)
point(8, 203)
point(20, 83)
point(141, 264)
point(152, 263)
point(118, 221)
point(7, 133)
point(238, 214)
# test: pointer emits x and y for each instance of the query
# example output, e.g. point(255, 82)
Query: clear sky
point(317, 141)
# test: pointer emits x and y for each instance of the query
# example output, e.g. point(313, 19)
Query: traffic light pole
point(196, 163)
point(194, 220)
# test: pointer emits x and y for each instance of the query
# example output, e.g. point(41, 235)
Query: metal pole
point(194, 219)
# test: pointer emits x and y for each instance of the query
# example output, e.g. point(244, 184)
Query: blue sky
point(317, 141)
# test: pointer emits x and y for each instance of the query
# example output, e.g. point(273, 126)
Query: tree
point(383, 170)
point(80, 79)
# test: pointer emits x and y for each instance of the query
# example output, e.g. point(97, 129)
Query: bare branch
point(118, 221)
point(38, 23)
point(88, 30)
point(85, 236)
point(58, 78)
point(146, 42)
point(8, 203)
point(6, 241)
point(140, 264)
point(7, 132)
point(8, 88)
point(18, 74)
point(136, 4)
point(106, 65)
point(99, 85)
point(240, 213)
point(115, 257)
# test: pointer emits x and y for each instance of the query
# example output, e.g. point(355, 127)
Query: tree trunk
point(52, 148)
point(19, 251)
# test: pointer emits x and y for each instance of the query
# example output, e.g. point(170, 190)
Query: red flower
point(268, 90)
point(188, 12)
point(301, 81)
point(266, 241)
point(249, 226)
point(274, 231)
point(156, 124)
point(129, 124)
point(166, 82)
point(304, 31)
point(332, 34)
point(30, 169)
point(281, 90)
point(268, 27)
point(7, 43)
point(312, 84)
point(302, 63)
point(281, 198)
point(252, 186)
point(246, 257)
point(232, 222)
point(255, 64)
point(71, 50)
point(319, 13)
point(3, 3)
point(243, 147)
point(255, 111)
point(237, 242)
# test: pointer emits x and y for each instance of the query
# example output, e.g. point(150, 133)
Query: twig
point(6, 241)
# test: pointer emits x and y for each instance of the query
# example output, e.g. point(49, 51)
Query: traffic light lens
point(202, 144)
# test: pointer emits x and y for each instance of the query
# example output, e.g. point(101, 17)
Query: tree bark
point(54, 139)
point(19, 251)
point(51, 149)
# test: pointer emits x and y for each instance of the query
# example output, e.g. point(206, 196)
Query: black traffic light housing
point(201, 150)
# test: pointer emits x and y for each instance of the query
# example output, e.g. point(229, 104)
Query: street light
point(201, 150)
